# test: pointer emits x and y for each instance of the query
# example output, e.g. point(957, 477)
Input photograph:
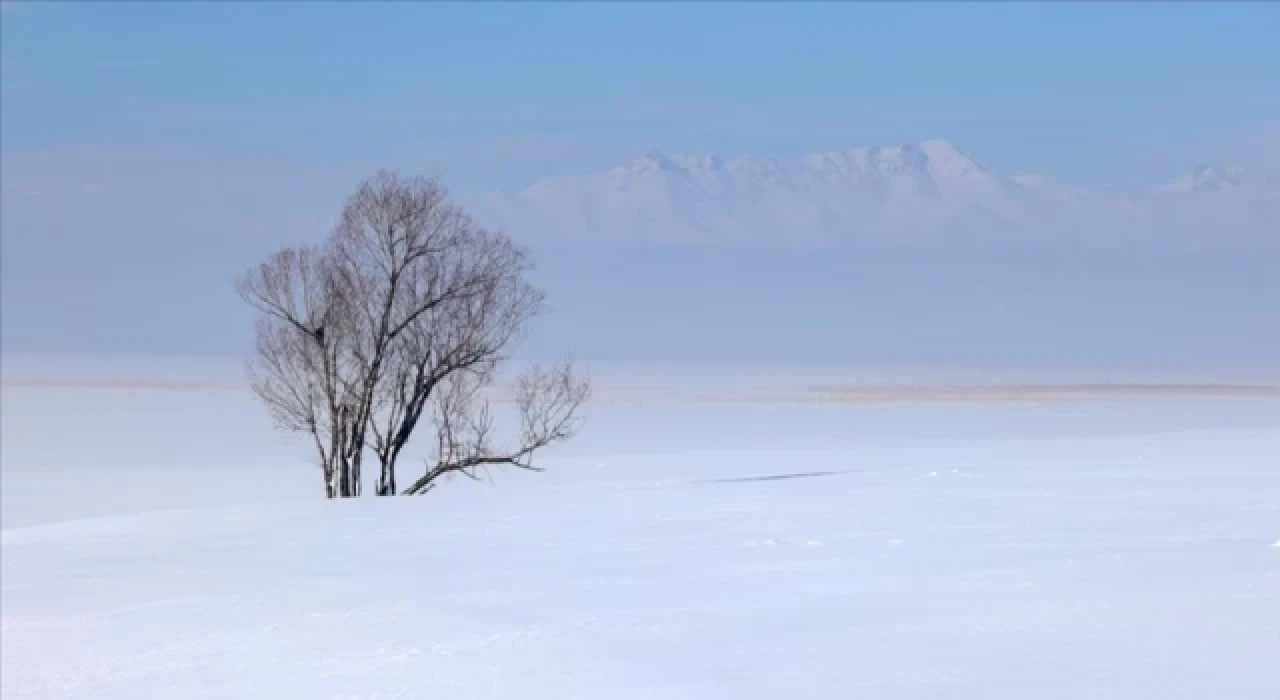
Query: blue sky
point(1049, 86)
point(176, 142)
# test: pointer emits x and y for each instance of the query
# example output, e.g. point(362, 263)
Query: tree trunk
point(387, 480)
point(341, 477)
point(329, 490)
point(387, 476)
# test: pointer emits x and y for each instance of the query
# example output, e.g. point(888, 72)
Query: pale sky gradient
point(151, 151)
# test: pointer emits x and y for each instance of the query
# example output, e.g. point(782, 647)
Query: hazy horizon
point(151, 153)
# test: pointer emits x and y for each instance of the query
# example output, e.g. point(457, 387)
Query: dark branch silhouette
point(407, 310)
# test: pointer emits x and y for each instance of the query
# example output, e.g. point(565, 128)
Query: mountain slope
point(929, 188)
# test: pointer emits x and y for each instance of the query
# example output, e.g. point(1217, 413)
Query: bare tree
point(408, 310)
point(300, 370)
point(547, 402)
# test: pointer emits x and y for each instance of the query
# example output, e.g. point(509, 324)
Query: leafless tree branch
point(548, 402)
point(406, 311)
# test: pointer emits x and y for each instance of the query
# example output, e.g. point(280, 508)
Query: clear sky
point(1047, 86)
point(152, 149)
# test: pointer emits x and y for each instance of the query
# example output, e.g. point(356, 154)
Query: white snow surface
point(162, 542)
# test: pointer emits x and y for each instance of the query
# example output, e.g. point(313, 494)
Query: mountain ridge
point(910, 190)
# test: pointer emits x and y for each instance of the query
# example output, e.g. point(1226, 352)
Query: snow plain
point(160, 541)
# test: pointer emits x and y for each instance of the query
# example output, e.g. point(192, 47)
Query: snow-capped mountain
point(916, 189)
point(1207, 178)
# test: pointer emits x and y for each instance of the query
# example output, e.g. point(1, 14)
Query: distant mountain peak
point(653, 159)
point(943, 150)
point(928, 186)
point(1207, 178)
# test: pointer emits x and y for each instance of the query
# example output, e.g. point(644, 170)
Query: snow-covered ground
point(160, 541)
